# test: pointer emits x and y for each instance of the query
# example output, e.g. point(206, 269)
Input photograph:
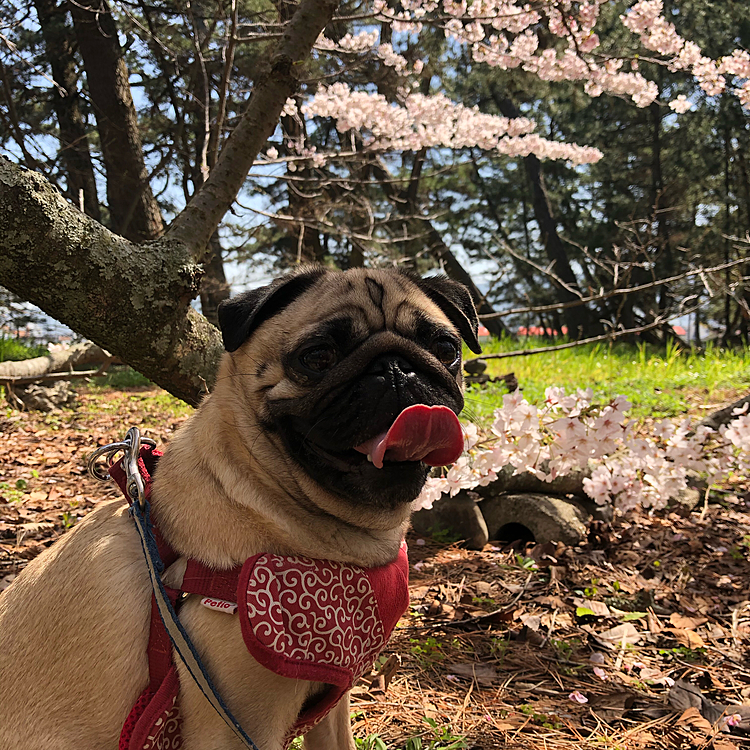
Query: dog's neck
point(213, 501)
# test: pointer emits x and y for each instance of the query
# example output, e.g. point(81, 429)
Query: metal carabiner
point(131, 448)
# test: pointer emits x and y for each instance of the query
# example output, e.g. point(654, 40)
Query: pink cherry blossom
point(680, 104)
point(569, 432)
point(504, 34)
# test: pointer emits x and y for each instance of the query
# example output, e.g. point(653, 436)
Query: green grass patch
point(660, 382)
point(123, 377)
point(160, 404)
point(14, 350)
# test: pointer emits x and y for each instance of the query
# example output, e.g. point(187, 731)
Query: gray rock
point(569, 484)
point(547, 517)
point(459, 517)
point(689, 498)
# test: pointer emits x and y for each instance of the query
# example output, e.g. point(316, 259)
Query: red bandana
point(305, 619)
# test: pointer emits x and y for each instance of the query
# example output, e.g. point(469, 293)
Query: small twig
point(477, 619)
point(621, 652)
point(546, 271)
point(551, 627)
point(52, 376)
point(582, 342)
point(705, 503)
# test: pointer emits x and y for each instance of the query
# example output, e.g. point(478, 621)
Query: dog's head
point(329, 364)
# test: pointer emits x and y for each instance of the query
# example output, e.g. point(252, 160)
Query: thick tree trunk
point(132, 300)
point(9, 118)
point(59, 43)
point(133, 210)
point(664, 265)
point(416, 226)
point(579, 320)
point(305, 239)
point(456, 271)
point(729, 330)
point(522, 269)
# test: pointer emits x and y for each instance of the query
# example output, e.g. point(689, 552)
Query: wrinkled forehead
point(361, 302)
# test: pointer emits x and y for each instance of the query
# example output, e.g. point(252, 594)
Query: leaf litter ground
point(637, 638)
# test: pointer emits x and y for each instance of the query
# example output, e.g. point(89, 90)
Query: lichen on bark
point(133, 300)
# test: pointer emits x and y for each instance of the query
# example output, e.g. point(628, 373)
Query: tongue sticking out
point(420, 433)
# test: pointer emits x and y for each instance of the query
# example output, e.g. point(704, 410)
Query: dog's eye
point(445, 351)
point(318, 359)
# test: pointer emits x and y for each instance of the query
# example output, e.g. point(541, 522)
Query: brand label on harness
point(219, 604)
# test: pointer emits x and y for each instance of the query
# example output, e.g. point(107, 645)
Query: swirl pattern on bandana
point(315, 611)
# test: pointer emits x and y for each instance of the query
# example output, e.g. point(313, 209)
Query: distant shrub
point(12, 349)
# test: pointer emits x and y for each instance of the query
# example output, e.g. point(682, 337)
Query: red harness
point(305, 619)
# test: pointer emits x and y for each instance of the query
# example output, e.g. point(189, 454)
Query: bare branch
point(52, 377)
point(13, 124)
point(614, 292)
point(611, 336)
point(195, 225)
point(546, 270)
point(215, 139)
point(205, 104)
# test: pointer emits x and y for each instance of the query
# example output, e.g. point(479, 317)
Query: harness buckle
point(102, 458)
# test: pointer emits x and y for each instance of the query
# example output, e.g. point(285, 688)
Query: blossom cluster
point(420, 121)
point(659, 35)
point(506, 34)
point(569, 433)
point(503, 34)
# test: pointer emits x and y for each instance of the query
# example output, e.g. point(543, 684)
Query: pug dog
point(318, 434)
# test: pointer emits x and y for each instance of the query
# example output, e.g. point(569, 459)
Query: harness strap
point(140, 510)
point(159, 646)
point(220, 584)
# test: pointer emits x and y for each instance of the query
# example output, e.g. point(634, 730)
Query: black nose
point(390, 362)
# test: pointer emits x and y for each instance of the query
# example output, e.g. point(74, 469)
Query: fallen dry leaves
point(636, 639)
point(44, 487)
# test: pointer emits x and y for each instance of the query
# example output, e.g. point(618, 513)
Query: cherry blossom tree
point(507, 35)
point(558, 43)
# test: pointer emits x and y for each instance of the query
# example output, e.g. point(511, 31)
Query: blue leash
point(140, 509)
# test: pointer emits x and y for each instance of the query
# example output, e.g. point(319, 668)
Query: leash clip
point(102, 458)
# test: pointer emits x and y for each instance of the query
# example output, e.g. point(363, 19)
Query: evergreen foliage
point(669, 194)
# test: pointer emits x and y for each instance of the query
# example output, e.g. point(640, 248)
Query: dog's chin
point(350, 475)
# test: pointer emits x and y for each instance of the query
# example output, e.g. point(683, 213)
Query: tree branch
point(84, 353)
point(613, 292)
point(133, 300)
point(726, 415)
point(660, 321)
point(195, 225)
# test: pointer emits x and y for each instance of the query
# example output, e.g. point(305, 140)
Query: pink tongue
point(420, 433)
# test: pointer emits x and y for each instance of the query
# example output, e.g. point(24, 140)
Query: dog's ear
point(241, 315)
point(455, 301)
